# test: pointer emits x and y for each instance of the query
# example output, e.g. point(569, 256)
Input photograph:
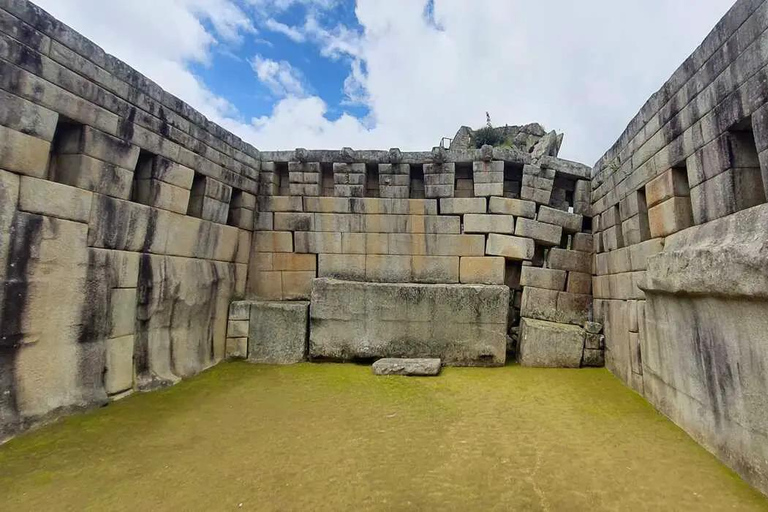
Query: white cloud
point(292, 33)
point(279, 76)
point(584, 68)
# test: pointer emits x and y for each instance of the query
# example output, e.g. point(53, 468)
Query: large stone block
point(54, 200)
point(555, 306)
point(436, 245)
point(434, 269)
point(516, 207)
point(510, 247)
point(461, 206)
point(572, 261)
point(92, 142)
point(23, 154)
point(544, 234)
point(26, 117)
point(118, 372)
point(350, 267)
point(545, 278)
point(671, 216)
point(278, 332)
point(165, 196)
point(570, 222)
point(550, 345)
point(88, 173)
point(461, 324)
point(485, 223)
point(671, 183)
point(482, 270)
point(273, 241)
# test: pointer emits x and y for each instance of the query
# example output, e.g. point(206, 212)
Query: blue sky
point(377, 74)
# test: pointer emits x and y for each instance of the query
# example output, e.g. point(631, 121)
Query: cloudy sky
point(402, 73)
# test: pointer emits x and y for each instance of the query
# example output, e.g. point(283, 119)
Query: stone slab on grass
point(550, 345)
point(278, 332)
point(409, 367)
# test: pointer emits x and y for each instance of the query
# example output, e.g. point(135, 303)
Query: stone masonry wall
point(491, 216)
point(681, 242)
point(126, 222)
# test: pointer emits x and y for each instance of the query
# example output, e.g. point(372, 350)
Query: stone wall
point(492, 217)
point(681, 243)
point(126, 221)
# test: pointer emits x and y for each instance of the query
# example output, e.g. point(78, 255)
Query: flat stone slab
point(410, 367)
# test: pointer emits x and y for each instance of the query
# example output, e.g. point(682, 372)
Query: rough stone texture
point(408, 367)
point(482, 270)
point(278, 332)
point(510, 247)
point(516, 207)
point(461, 324)
point(550, 345)
point(504, 224)
point(548, 279)
point(555, 306)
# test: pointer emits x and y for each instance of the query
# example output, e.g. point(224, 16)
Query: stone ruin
point(141, 243)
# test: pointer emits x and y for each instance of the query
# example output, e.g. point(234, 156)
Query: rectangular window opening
point(66, 140)
point(748, 184)
point(284, 184)
point(141, 188)
point(465, 182)
point(197, 196)
point(326, 179)
point(513, 180)
point(417, 182)
point(372, 180)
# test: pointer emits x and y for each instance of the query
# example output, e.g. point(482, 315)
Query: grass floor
point(334, 437)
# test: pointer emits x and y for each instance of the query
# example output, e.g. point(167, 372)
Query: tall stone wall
point(126, 221)
point(682, 245)
point(491, 217)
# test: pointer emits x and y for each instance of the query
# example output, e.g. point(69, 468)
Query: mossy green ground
point(334, 437)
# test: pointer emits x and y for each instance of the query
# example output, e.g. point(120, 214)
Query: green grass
point(334, 437)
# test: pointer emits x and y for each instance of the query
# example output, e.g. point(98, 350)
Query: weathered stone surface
point(278, 332)
point(482, 270)
point(550, 345)
point(484, 223)
point(54, 200)
point(461, 206)
point(23, 153)
point(671, 216)
point(671, 183)
point(573, 261)
point(555, 306)
point(570, 222)
point(544, 234)
point(88, 173)
point(410, 367)
point(182, 318)
point(723, 258)
point(516, 207)
point(462, 324)
point(510, 247)
point(545, 278)
point(118, 374)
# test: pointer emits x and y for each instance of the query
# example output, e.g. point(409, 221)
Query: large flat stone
point(410, 367)
point(464, 325)
point(278, 332)
point(550, 345)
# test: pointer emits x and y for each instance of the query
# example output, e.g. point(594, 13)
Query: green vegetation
point(334, 437)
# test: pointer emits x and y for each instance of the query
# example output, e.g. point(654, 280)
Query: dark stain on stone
point(25, 235)
point(95, 316)
point(151, 230)
point(126, 129)
point(712, 360)
point(144, 299)
point(30, 60)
